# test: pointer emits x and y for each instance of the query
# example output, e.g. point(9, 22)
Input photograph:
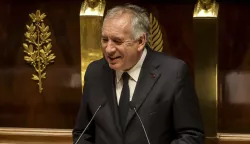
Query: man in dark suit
point(132, 76)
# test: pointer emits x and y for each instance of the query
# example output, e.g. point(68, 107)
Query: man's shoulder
point(98, 63)
point(96, 66)
point(168, 60)
point(170, 65)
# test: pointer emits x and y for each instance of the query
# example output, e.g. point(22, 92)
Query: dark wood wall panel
point(177, 28)
point(234, 69)
point(21, 105)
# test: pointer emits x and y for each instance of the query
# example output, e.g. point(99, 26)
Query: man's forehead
point(112, 35)
point(116, 24)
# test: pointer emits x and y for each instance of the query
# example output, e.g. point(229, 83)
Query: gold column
point(91, 16)
point(205, 20)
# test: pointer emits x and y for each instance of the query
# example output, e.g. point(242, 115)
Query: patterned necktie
point(124, 101)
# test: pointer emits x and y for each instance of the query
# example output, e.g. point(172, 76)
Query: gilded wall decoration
point(155, 36)
point(206, 8)
point(91, 17)
point(38, 47)
point(93, 8)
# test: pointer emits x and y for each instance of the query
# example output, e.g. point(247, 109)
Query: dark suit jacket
point(164, 97)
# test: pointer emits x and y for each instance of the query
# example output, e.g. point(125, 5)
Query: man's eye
point(104, 40)
point(118, 42)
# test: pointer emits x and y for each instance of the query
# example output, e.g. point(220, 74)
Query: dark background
point(21, 105)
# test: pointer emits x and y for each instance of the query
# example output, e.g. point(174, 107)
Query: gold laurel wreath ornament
point(155, 38)
point(38, 47)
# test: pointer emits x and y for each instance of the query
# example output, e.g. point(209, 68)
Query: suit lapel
point(109, 89)
point(148, 77)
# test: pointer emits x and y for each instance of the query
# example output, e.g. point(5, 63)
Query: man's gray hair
point(139, 19)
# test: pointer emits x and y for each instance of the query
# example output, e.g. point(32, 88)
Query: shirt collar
point(134, 72)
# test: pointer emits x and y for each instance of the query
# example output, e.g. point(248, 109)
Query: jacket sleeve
point(83, 117)
point(187, 119)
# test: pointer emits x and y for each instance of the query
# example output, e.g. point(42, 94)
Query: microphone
point(132, 106)
point(100, 106)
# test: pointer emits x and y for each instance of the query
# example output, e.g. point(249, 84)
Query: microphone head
point(132, 105)
point(103, 103)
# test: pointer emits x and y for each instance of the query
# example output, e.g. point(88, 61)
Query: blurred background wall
point(23, 108)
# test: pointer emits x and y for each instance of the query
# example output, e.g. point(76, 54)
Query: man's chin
point(115, 67)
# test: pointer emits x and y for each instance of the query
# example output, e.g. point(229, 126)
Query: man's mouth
point(114, 58)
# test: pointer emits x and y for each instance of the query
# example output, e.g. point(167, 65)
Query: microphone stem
point(142, 125)
point(88, 123)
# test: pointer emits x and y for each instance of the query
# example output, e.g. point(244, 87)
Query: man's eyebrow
point(117, 38)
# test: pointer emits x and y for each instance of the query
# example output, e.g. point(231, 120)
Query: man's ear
point(142, 42)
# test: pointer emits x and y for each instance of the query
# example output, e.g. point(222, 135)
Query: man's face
point(119, 49)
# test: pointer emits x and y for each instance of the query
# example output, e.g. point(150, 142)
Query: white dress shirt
point(134, 75)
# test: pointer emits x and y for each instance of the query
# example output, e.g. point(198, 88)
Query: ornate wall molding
point(233, 137)
point(38, 47)
point(155, 36)
point(38, 135)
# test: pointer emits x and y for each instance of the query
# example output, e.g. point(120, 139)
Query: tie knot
point(125, 77)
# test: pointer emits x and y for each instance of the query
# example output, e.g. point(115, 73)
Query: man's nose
point(110, 47)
